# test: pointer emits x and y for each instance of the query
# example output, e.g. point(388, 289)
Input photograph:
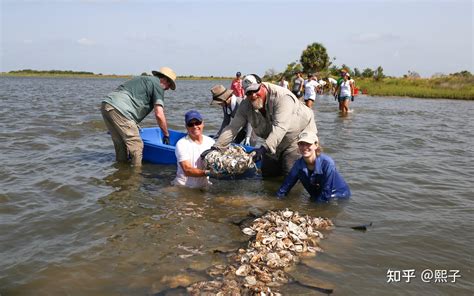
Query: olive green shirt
point(137, 97)
point(285, 118)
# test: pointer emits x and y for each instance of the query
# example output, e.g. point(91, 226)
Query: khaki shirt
point(286, 117)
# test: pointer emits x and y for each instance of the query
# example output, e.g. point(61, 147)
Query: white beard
point(257, 104)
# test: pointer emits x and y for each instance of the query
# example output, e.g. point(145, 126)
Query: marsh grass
point(445, 87)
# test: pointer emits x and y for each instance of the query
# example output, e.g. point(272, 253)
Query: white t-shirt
point(310, 89)
point(332, 80)
point(187, 149)
point(284, 84)
point(345, 88)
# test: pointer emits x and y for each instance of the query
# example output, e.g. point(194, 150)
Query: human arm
point(248, 135)
point(161, 119)
point(289, 182)
point(231, 130)
point(190, 171)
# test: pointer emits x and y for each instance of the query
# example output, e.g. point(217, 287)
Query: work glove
point(259, 152)
point(247, 141)
point(206, 152)
point(166, 140)
point(352, 99)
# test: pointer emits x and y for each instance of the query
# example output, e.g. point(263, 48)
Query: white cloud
point(374, 37)
point(85, 42)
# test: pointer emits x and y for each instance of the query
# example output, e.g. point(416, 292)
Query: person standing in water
point(345, 92)
point(124, 108)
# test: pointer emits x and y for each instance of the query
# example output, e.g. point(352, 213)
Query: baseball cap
point(306, 137)
point(190, 115)
point(251, 82)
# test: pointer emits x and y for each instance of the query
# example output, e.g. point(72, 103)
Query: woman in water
point(316, 171)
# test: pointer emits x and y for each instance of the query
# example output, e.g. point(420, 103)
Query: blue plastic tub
point(155, 151)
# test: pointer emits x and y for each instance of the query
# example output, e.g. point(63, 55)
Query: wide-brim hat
point(220, 93)
point(168, 73)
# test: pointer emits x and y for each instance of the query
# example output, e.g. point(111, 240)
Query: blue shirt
point(323, 184)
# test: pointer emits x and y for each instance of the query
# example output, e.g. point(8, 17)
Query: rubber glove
point(247, 141)
point(166, 140)
point(259, 152)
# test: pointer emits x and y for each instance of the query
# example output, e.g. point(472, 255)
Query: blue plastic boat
point(155, 151)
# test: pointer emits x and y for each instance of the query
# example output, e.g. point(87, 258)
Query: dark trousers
point(279, 166)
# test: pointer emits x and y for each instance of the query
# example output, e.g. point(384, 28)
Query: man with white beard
point(275, 115)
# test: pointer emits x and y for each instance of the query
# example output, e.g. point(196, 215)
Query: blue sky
point(221, 37)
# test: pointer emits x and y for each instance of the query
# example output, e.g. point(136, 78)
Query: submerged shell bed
point(278, 240)
point(230, 162)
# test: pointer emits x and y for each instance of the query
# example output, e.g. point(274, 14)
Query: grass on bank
point(449, 87)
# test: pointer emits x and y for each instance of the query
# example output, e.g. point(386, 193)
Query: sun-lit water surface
point(74, 222)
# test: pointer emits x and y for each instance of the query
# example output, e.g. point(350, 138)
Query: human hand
point(247, 141)
point(259, 152)
point(166, 140)
point(206, 152)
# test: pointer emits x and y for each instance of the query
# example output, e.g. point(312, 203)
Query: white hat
point(251, 82)
point(309, 138)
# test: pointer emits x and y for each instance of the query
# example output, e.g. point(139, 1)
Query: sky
point(219, 38)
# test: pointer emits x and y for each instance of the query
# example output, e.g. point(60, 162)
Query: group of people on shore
point(306, 90)
point(252, 108)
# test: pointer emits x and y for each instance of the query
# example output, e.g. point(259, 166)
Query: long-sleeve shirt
point(284, 119)
point(229, 113)
point(323, 184)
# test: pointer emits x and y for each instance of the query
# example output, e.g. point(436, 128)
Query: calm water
point(74, 222)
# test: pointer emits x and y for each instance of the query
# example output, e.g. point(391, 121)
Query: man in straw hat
point(277, 116)
point(230, 103)
point(124, 108)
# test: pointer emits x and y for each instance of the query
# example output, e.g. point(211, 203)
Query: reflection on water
point(74, 222)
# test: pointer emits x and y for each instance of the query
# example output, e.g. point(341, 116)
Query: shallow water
point(74, 222)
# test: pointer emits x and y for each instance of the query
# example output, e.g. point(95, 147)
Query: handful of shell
point(279, 239)
point(232, 161)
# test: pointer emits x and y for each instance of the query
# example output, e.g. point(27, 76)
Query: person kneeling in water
point(316, 171)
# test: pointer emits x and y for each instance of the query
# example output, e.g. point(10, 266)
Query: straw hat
point(168, 73)
point(220, 93)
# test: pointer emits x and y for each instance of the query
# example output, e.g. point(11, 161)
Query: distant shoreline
point(457, 88)
point(99, 76)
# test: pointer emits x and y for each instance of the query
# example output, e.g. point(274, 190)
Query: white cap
point(307, 138)
point(250, 83)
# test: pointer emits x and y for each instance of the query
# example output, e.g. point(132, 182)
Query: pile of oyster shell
point(278, 240)
point(232, 161)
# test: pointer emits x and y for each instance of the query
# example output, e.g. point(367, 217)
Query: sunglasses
point(251, 92)
point(193, 123)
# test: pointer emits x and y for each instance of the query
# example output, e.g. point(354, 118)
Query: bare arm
point(161, 119)
point(189, 171)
